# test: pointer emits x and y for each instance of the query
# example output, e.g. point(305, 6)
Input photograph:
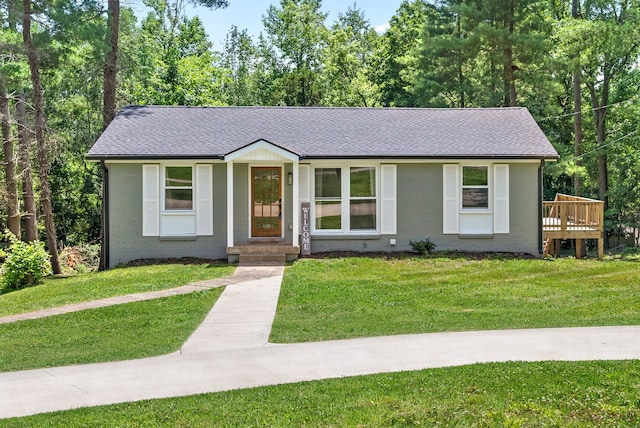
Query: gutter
point(540, 197)
point(104, 256)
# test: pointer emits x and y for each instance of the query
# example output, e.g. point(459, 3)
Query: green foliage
point(80, 259)
point(25, 264)
point(423, 247)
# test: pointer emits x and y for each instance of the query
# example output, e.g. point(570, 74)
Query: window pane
point(178, 199)
point(363, 214)
point(475, 198)
point(178, 176)
point(328, 183)
point(475, 176)
point(328, 215)
point(363, 182)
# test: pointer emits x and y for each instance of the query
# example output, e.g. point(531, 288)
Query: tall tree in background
point(577, 111)
point(297, 34)
point(348, 62)
point(238, 60)
point(398, 41)
point(111, 63)
point(24, 164)
point(43, 163)
point(11, 190)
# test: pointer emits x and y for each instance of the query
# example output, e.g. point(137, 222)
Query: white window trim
point(164, 187)
point(345, 199)
point(489, 187)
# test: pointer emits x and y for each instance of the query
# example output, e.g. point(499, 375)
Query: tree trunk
point(577, 130)
point(111, 64)
point(13, 214)
point(24, 163)
point(41, 153)
point(577, 112)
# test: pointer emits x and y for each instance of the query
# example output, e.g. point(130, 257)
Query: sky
point(248, 14)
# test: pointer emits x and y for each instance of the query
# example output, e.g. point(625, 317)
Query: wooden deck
point(573, 217)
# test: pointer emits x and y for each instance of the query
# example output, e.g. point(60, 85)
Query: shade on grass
point(114, 333)
point(584, 394)
point(57, 291)
point(360, 297)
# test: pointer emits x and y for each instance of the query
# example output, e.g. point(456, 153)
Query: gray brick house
point(208, 181)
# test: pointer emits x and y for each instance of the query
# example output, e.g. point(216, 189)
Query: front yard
point(358, 297)
point(355, 297)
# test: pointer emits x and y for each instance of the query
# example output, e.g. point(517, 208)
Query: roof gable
point(261, 150)
point(149, 132)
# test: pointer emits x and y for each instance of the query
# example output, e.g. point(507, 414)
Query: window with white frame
point(362, 198)
point(328, 198)
point(475, 187)
point(178, 188)
point(357, 211)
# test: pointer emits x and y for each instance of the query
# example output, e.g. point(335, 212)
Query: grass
point(57, 291)
point(121, 332)
point(350, 297)
point(585, 394)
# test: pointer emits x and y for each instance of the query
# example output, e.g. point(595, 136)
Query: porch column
point(295, 221)
point(229, 204)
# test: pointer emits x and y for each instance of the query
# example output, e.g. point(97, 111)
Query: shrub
point(423, 247)
point(25, 265)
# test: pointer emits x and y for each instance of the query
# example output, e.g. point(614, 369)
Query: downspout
point(104, 257)
point(540, 197)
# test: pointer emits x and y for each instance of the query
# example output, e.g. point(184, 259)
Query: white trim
point(244, 153)
point(229, 204)
point(295, 205)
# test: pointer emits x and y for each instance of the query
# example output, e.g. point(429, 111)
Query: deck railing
point(574, 217)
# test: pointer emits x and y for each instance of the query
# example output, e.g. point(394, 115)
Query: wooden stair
point(262, 253)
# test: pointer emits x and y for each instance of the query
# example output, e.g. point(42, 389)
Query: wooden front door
point(266, 202)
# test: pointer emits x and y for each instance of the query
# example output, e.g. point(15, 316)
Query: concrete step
point(262, 259)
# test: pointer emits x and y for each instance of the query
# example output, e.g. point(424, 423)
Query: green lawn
point(551, 394)
point(349, 297)
point(121, 332)
point(57, 291)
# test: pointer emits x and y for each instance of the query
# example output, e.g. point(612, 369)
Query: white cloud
point(380, 29)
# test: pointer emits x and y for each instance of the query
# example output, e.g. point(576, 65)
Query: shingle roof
point(319, 132)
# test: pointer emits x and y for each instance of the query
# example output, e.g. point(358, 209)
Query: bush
point(25, 265)
point(423, 247)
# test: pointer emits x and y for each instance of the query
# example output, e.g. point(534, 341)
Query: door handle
point(280, 209)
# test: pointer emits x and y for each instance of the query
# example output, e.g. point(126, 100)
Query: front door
point(266, 202)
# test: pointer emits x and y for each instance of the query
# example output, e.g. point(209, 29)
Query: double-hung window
point(178, 188)
point(345, 204)
point(328, 198)
point(362, 198)
point(475, 187)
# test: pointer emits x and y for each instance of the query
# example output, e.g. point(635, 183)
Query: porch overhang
point(260, 152)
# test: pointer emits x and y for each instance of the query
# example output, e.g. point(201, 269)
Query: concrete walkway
point(230, 351)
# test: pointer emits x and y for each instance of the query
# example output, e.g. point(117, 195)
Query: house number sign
point(305, 250)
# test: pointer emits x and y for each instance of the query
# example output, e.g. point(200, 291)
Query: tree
point(399, 40)
point(349, 61)
point(13, 217)
point(238, 61)
point(111, 63)
point(297, 34)
point(43, 163)
point(24, 164)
